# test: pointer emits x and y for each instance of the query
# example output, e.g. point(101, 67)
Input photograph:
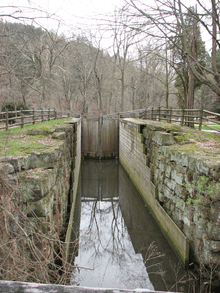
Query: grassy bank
point(210, 127)
point(38, 137)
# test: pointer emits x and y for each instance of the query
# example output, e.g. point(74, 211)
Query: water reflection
point(118, 237)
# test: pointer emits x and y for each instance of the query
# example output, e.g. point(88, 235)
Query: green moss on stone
point(180, 138)
point(187, 148)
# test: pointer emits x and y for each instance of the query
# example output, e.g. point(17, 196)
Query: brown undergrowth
point(30, 248)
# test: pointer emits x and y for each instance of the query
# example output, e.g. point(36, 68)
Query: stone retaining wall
point(47, 181)
point(181, 179)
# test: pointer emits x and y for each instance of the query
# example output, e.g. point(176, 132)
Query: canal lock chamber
point(116, 241)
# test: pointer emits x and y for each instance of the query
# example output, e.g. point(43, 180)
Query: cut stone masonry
point(184, 176)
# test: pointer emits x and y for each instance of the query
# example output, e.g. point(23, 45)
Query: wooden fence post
point(42, 115)
point(171, 114)
point(159, 113)
point(143, 115)
point(200, 119)
point(33, 117)
point(48, 114)
point(152, 115)
point(55, 114)
point(6, 120)
point(22, 118)
point(182, 118)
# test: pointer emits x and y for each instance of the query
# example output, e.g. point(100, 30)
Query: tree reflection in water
point(112, 242)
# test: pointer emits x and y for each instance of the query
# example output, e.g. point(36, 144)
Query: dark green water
point(120, 244)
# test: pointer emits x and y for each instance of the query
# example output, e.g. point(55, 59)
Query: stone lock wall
point(178, 180)
point(48, 180)
point(75, 180)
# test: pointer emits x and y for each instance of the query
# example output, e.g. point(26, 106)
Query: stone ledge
point(22, 287)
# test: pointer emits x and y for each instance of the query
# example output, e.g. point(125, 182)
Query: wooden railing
point(9, 119)
point(188, 117)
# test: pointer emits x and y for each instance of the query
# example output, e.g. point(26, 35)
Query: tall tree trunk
point(191, 86)
point(122, 89)
point(167, 79)
point(214, 36)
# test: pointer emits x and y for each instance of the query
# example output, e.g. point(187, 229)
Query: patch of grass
point(212, 136)
point(12, 146)
point(48, 125)
point(189, 148)
point(17, 141)
point(185, 137)
point(189, 133)
point(209, 127)
point(171, 127)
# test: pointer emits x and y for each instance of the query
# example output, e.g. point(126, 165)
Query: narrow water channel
point(120, 245)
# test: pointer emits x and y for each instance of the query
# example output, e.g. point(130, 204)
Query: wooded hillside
point(142, 69)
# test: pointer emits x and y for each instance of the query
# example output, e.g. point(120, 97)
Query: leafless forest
point(158, 57)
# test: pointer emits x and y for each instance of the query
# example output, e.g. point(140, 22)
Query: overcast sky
point(71, 16)
point(74, 12)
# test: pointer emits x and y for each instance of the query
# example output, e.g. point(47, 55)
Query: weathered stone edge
point(22, 287)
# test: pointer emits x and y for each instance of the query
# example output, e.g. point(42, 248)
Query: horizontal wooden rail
point(188, 117)
point(9, 119)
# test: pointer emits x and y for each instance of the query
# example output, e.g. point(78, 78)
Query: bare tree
point(165, 20)
point(156, 75)
point(123, 40)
